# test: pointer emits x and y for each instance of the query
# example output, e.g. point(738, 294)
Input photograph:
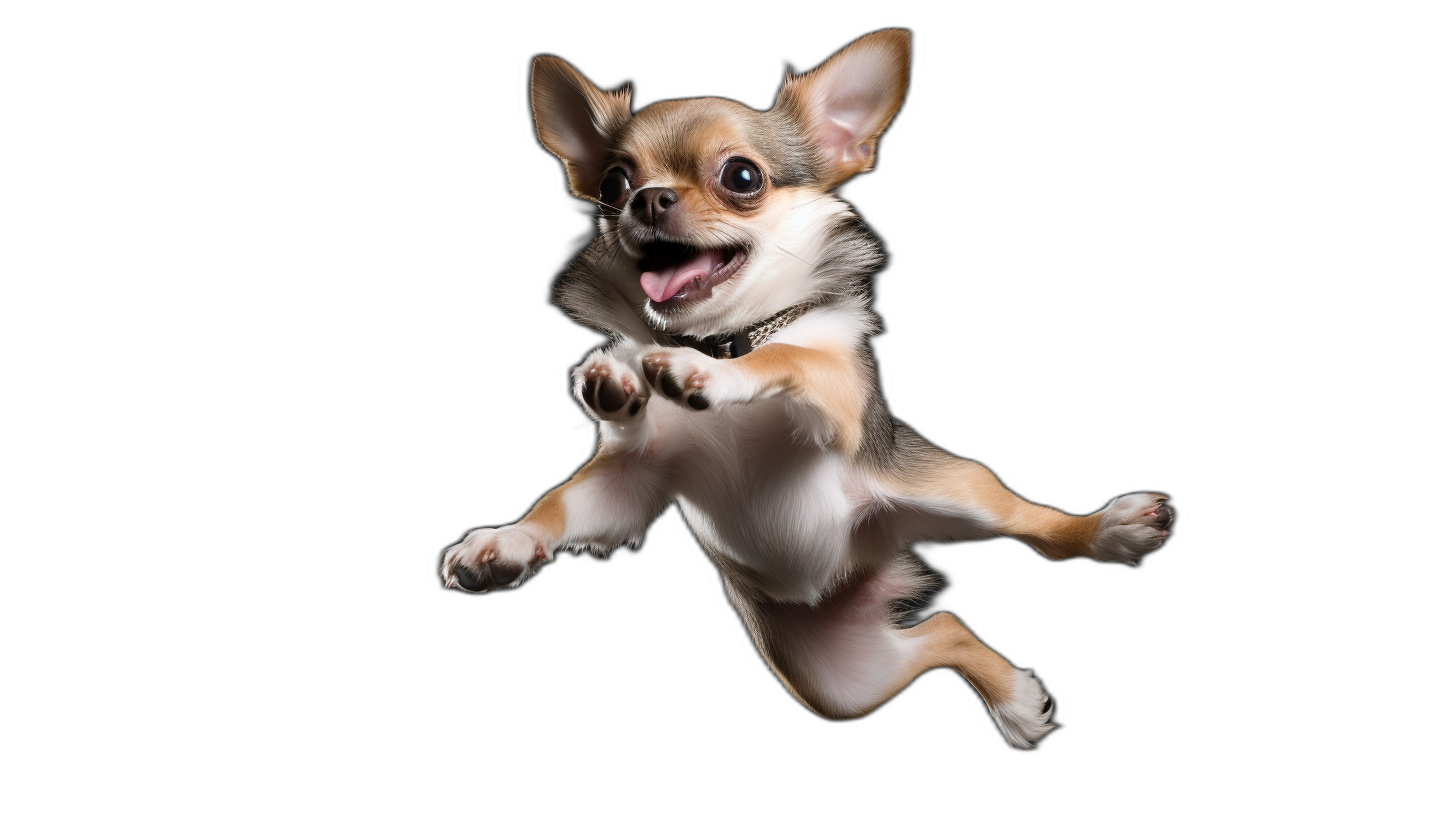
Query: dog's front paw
point(681, 375)
point(1132, 526)
point(487, 559)
point(609, 390)
point(690, 378)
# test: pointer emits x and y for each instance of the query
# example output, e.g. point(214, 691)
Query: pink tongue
point(663, 285)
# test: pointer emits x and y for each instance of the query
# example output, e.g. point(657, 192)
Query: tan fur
point(828, 379)
point(681, 144)
point(948, 643)
point(1053, 533)
point(669, 143)
point(548, 516)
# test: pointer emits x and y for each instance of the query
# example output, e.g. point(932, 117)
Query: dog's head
point(713, 215)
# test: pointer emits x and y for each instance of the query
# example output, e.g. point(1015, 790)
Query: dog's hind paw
point(1026, 716)
point(1132, 526)
point(487, 559)
point(609, 390)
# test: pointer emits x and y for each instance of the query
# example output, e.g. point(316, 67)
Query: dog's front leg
point(609, 502)
point(826, 383)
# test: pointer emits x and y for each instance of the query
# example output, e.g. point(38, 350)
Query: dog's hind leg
point(935, 496)
point(844, 656)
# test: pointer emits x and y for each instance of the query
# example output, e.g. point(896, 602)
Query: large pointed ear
point(575, 119)
point(845, 104)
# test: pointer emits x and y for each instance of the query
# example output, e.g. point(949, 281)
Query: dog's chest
point(754, 493)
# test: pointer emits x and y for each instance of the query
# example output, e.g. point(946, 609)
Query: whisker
point(780, 248)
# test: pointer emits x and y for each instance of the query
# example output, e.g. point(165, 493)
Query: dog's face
point(713, 215)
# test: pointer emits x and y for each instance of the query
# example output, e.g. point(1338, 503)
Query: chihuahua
point(738, 382)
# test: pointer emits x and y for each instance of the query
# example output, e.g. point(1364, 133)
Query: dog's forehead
point(677, 135)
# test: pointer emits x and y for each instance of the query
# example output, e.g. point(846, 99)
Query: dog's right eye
point(741, 176)
point(614, 187)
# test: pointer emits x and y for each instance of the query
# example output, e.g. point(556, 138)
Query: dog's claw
point(681, 375)
point(651, 367)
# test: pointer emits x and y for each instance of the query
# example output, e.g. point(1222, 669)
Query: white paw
point(487, 559)
point(1132, 526)
point(691, 378)
point(1027, 716)
point(609, 390)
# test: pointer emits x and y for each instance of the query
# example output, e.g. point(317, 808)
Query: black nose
point(652, 202)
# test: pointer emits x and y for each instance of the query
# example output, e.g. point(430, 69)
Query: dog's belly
point(773, 503)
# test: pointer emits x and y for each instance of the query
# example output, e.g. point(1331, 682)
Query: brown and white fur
point(784, 461)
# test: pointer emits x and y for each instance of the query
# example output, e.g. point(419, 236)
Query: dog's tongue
point(663, 284)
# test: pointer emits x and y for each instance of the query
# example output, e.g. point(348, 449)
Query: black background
point(1060, 203)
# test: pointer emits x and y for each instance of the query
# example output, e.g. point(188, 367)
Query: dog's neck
point(738, 343)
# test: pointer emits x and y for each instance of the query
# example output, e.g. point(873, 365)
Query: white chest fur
point(758, 495)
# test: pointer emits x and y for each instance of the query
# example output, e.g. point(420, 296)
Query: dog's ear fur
point(844, 105)
point(575, 119)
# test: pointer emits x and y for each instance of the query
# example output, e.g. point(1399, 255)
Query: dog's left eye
point(741, 176)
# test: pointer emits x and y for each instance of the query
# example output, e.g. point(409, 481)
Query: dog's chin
point(680, 279)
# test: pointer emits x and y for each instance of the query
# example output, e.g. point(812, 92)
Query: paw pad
point(487, 559)
point(608, 391)
point(680, 383)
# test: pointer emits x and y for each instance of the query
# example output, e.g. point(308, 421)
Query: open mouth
point(676, 274)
